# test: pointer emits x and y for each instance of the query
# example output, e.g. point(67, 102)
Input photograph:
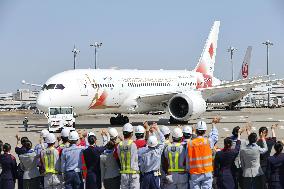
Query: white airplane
point(109, 91)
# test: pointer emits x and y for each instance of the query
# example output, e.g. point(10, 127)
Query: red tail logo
point(245, 70)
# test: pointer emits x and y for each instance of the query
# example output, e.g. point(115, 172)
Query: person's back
point(250, 163)
point(109, 168)
point(9, 168)
point(275, 167)
point(92, 161)
point(29, 163)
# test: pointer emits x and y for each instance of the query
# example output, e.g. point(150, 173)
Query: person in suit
point(9, 168)
point(224, 164)
point(250, 163)
point(275, 168)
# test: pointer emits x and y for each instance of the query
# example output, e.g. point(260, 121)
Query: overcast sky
point(37, 37)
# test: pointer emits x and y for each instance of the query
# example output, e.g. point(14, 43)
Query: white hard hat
point(26, 117)
point(127, 127)
point(201, 125)
point(65, 132)
point(112, 132)
point(165, 130)
point(50, 138)
point(44, 133)
point(139, 129)
point(177, 133)
point(187, 129)
point(91, 134)
point(73, 135)
point(152, 141)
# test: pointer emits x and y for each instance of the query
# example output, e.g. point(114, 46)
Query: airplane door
point(83, 87)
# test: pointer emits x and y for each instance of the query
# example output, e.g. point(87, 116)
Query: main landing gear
point(119, 120)
point(174, 121)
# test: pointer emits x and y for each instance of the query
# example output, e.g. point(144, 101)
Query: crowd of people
point(146, 157)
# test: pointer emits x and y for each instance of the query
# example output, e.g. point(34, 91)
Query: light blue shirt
point(71, 158)
point(149, 159)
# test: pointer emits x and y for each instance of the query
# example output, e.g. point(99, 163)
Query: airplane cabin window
point(59, 86)
point(50, 86)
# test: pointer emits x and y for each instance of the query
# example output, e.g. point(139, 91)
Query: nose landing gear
point(119, 120)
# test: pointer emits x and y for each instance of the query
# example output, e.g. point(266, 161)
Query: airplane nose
point(43, 102)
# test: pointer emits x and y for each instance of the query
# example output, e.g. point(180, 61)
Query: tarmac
point(11, 123)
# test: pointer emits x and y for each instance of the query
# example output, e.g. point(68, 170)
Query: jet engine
point(185, 105)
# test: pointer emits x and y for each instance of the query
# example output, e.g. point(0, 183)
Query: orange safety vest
point(200, 156)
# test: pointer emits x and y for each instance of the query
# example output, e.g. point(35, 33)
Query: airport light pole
point(75, 52)
point(96, 45)
point(231, 51)
point(267, 43)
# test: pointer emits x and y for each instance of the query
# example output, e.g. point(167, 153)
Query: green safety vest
point(125, 158)
point(49, 161)
point(174, 158)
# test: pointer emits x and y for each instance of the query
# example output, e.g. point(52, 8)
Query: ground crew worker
point(187, 134)
point(38, 148)
point(64, 138)
point(109, 168)
point(150, 160)
point(139, 134)
point(25, 123)
point(92, 160)
point(51, 163)
point(166, 132)
point(175, 154)
point(200, 158)
point(128, 156)
point(71, 163)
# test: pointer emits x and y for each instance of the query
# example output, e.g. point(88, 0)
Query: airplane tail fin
point(207, 59)
point(244, 72)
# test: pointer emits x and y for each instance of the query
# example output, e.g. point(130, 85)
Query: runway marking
point(270, 118)
point(281, 127)
point(226, 129)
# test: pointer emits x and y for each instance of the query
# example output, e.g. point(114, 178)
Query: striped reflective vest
point(200, 156)
point(125, 158)
point(174, 154)
point(49, 160)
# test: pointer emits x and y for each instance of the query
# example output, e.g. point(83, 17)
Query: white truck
point(59, 118)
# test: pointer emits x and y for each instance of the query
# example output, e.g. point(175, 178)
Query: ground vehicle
point(60, 117)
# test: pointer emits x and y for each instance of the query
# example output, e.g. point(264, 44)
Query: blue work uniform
point(275, 171)
point(207, 178)
point(71, 166)
point(149, 160)
point(92, 160)
point(9, 171)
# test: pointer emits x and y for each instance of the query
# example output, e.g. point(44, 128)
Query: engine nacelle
point(185, 105)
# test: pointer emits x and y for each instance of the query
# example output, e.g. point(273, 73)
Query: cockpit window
point(50, 86)
point(59, 86)
point(43, 87)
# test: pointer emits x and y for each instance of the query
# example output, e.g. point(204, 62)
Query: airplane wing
point(207, 92)
point(157, 98)
point(248, 80)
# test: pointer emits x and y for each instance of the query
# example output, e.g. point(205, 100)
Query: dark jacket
point(9, 167)
point(275, 171)
point(92, 160)
point(263, 157)
point(224, 167)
